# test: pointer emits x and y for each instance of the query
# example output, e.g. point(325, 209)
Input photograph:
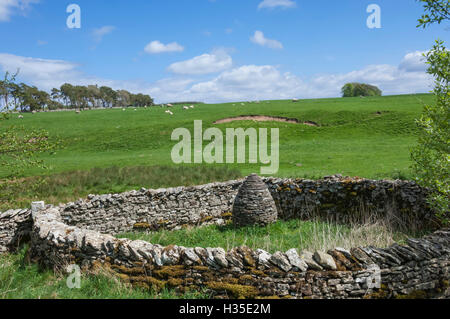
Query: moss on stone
point(249, 260)
point(201, 268)
point(206, 219)
point(245, 278)
point(142, 226)
point(231, 280)
point(416, 294)
point(170, 271)
point(258, 272)
point(274, 297)
point(175, 282)
point(237, 291)
point(129, 270)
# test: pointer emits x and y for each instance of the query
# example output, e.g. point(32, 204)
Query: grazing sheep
point(295, 100)
point(77, 112)
point(20, 116)
point(185, 108)
point(191, 106)
point(169, 105)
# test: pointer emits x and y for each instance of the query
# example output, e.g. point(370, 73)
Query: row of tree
point(25, 98)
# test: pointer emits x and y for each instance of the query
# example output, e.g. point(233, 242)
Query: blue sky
point(222, 50)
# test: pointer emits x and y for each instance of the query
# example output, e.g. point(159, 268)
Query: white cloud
point(260, 39)
point(11, 7)
point(247, 82)
point(277, 3)
point(41, 72)
point(203, 64)
point(414, 61)
point(253, 82)
point(47, 74)
point(99, 33)
point(155, 47)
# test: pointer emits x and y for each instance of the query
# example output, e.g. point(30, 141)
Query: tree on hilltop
point(360, 89)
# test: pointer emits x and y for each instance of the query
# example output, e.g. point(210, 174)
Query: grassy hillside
point(353, 137)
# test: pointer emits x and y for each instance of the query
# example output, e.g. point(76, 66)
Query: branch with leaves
point(436, 11)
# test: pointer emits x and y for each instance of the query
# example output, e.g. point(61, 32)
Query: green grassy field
point(113, 151)
point(352, 138)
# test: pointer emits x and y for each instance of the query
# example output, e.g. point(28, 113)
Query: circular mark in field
point(265, 118)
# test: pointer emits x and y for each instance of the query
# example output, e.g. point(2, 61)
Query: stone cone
point(254, 204)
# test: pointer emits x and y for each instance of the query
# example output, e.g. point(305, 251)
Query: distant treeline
point(25, 98)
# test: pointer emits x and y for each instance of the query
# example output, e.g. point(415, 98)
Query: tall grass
point(280, 236)
point(70, 186)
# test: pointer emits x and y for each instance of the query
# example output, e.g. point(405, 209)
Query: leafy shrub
point(431, 156)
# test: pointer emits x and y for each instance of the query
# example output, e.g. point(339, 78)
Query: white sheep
point(20, 116)
point(191, 106)
point(185, 108)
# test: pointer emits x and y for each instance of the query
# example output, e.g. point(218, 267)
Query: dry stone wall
point(419, 269)
point(15, 226)
point(335, 197)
